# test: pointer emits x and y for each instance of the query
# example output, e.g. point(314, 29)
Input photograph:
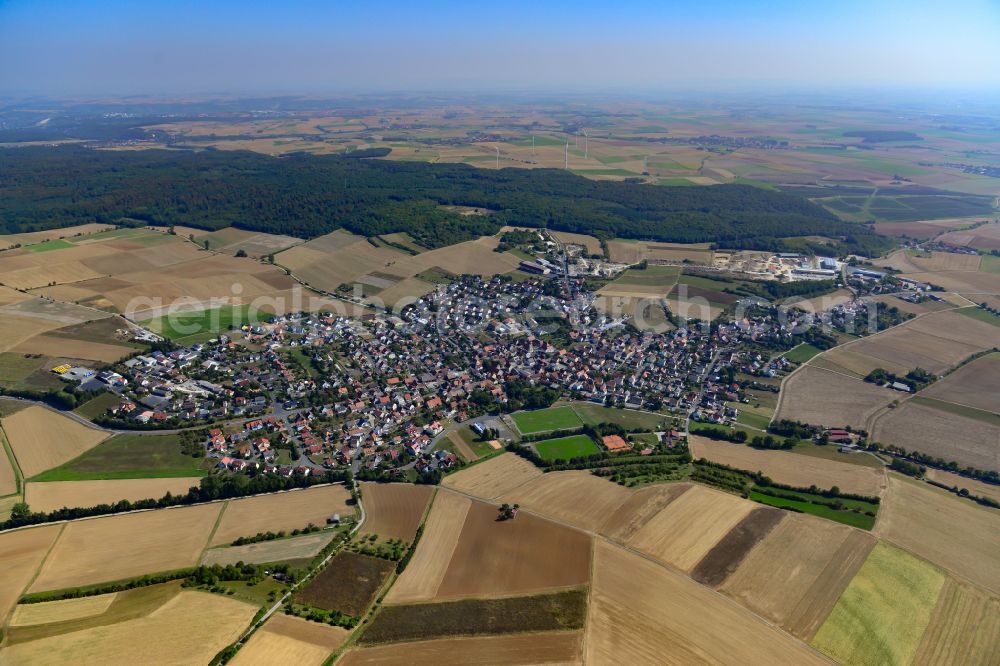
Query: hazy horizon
point(67, 48)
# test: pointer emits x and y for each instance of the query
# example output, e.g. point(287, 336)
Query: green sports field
point(544, 420)
point(565, 448)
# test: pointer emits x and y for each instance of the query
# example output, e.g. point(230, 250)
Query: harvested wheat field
point(562, 647)
point(683, 532)
point(645, 503)
point(964, 629)
point(21, 553)
point(951, 532)
point(49, 345)
point(52, 495)
point(519, 556)
point(61, 610)
point(475, 257)
point(592, 244)
point(791, 469)
point(281, 511)
point(966, 282)
point(641, 613)
point(946, 261)
point(575, 497)
point(727, 554)
point(881, 616)
point(796, 574)
point(820, 397)
point(117, 547)
point(189, 629)
point(854, 363)
point(974, 486)
point(393, 510)
point(16, 329)
point(42, 439)
point(423, 575)
point(294, 548)
point(493, 477)
point(917, 426)
point(286, 639)
point(975, 384)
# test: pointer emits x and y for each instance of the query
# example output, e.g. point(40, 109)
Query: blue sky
point(249, 46)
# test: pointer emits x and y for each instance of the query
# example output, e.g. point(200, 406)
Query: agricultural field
point(976, 384)
point(42, 439)
point(787, 468)
point(564, 611)
point(643, 613)
point(52, 495)
point(126, 456)
point(592, 244)
point(940, 430)
point(565, 448)
point(292, 548)
point(889, 602)
point(719, 562)
point(544, 420)
point(281, 511)
point(954, 534)
point(795, 575)
point(393, 510)
point(348, 584)
point(231, 240)
point(494, 477)
point(972, 485)
point(61, 610)
point(686, 529)
point(986, 237)
point(575, 497)
point(189, 628)
point(423, 575)
point(21, 554)
point(821, 397)
point(520, 556)
point(289, 639)
point(964, 628)
point(563, 647)
point(117, 547)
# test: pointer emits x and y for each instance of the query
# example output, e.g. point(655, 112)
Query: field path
point(211, 534)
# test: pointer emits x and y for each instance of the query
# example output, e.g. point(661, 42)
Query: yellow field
point(57, 346)
point(791, 469)
point(117, 547)
point(494, 477)
point(972, 485)
point(563, 647)
point(189, 629)
point(964, 629)
point(42, 439)
point(951, 532)
point(285, 639)
point(640, 613)
point(689, 526)
point(14, 329)
point(52, 495)
point(281, 511)
point(423, 575)
point(575, 497)
point(21, 553)
point(795, 575)
point(820, 397)
point(883, 613)
point(394, 510)
point(59, 611)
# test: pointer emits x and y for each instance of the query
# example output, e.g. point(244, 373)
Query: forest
point(310, 195)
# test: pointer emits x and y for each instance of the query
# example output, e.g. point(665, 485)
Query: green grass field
point(49, 245)
point(97, 406)
point(192, 326)
point(980, 314)
point(802, 353)
point(592, 414)
point(881, 616)
point(565, 448)
point(543, 420)
point(129, 457)
point(990, 264)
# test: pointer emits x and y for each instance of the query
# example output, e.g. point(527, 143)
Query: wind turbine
point(586, 144)
point(566, 157)
point(498, 156)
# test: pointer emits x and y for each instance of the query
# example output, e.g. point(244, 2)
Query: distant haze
point(250, 46)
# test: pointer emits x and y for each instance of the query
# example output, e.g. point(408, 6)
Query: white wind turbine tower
point(586, 144)
point(566, 157)
point(498, 156)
